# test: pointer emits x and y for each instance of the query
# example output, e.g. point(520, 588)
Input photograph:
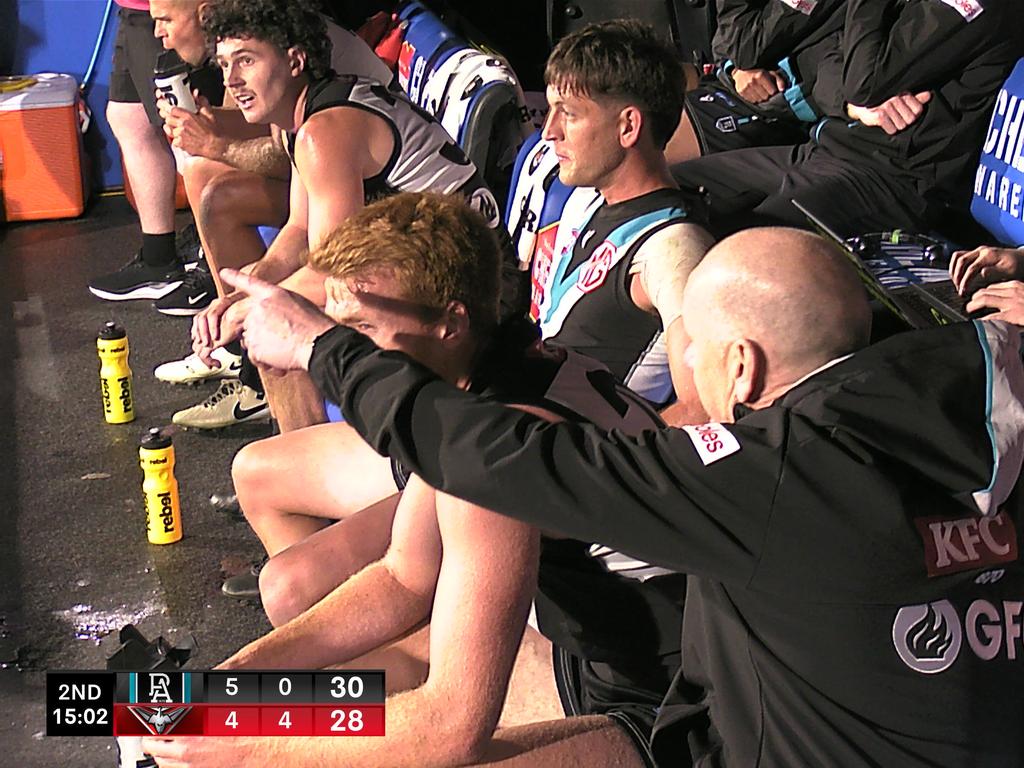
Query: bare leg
point(232, 203)
point(306, 572)
point(149, 163)
point(294, 399)
point(593, 741)
point(289, 484)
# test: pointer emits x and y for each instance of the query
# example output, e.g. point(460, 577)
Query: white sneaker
point(192, 369)
point(232, 403)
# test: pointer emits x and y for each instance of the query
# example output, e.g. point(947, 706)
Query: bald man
point(850, 520)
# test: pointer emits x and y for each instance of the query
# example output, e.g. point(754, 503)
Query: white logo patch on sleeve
point(712, 441)
point(969, 9)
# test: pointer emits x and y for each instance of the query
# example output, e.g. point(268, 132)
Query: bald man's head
point(788, 296)
point(177, 26)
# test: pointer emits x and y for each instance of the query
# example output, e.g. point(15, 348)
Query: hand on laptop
point(971, 270)
point(1006, 298)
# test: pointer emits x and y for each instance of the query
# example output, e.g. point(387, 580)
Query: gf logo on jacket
point(929, 637)
point(712, 441)
point(966, 543)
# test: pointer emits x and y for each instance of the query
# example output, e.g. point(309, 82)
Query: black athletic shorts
point(594, 688)
point(400, 474)
point(135, 54)
point(723, 121)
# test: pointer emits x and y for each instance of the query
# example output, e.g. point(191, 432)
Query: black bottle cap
point(111, 331)
point(155, 440)
point(169, 63)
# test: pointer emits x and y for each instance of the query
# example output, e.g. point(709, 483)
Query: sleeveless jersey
point(582, 292)
point(424, 158)
point(593, 601)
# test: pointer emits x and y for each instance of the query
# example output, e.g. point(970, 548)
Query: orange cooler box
point(41, 146)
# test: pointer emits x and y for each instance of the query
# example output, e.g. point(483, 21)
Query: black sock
point(234, 347)
point(248, 374)
point(158, 250)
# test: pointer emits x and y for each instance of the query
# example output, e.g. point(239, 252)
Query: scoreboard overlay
point(216, 703)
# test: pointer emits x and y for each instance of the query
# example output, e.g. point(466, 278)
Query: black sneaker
point(196, 291)
point(244, 586)
point(187, 246)
point(137, 280)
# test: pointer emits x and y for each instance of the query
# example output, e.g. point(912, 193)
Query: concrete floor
point(74, 561)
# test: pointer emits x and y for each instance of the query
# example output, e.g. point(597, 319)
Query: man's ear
point(296, 60)
point(455, 322)
point(746, 368)
point(631, 121)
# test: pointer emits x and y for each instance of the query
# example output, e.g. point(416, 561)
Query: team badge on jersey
point(482, 201)
point(597, 268)
point(712, 441)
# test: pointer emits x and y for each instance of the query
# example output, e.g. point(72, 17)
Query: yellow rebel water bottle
point(115, 375)
point(160, 489)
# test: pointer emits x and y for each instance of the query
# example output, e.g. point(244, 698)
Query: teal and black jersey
point(586, 303)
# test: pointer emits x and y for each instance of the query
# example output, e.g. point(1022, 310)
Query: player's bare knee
point(251, 471)
point(283, 590)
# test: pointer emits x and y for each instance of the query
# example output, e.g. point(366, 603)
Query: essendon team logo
point(160, 721)
point(597, 268)
point(966, 543)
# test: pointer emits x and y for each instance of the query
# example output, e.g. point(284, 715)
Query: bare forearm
point(262, 156)
point(284, 257)
point(369, 610)
point(425, 729)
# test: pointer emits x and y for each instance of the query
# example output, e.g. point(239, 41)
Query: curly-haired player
point(349, 139)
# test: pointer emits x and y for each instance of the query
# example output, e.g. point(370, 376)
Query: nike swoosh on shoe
point(241, 413)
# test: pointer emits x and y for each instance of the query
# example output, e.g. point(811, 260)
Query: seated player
point(860, 176)
point(236, 176)
point(419, 274)
point(778, 70)
point(612, 286)
point(347, 138)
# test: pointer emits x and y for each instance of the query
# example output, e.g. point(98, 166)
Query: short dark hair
point(440, 249)
point(284, 23)
point(622, 59)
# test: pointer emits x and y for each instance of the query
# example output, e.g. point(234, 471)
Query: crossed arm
point(476, 592)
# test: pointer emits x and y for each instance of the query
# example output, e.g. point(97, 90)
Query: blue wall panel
point(59, 36)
